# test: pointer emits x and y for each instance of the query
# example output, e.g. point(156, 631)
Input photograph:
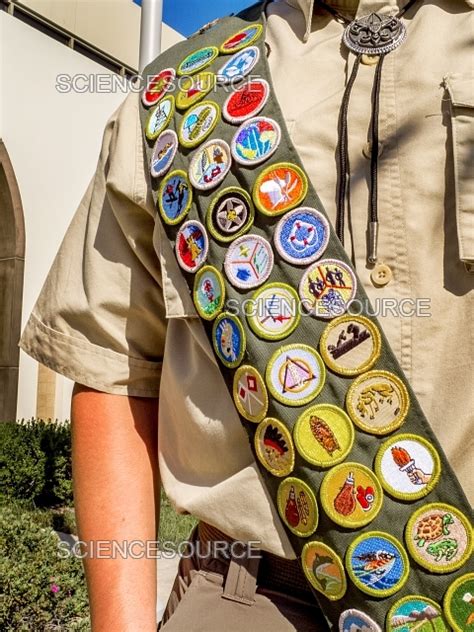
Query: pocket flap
point(461, 89)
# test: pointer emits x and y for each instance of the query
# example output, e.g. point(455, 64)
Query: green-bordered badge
point(273, 312)
point(193, 89)
point(241, 39)
point(274, 447)
point(209, 292)
point(228, 337)
point(250, 394)
point(230, 214)
point(175, 197)
point(198, 60)
point(297, 506)
point(459, 604)
point(415, 612)
point(280, 188)
point(198, 123)
point(324, 570)
point(159, 117)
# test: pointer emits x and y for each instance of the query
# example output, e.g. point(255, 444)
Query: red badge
point(247, 101)
point(158, 86)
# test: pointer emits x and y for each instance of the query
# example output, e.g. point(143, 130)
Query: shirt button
point(370, 60)
point(367, 150)
point(381, 275)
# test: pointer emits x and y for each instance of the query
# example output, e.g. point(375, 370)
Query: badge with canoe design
point(192, 246)
point(327, 288)
point(301, 236)
point(324, 570)
point(279, 188)
point(198, 123)
point(459, 604)
point(246, 102)
point(159, 118)
point(229, 341)
point(297, 506)
point(164, 152)
point(255, 141)
point(273, 311)
point(209, 292)
point(274, 447)
point(416, 613)
point(241, 39)
point(198, 60)
point(250, 394)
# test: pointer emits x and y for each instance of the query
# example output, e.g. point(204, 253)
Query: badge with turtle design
point(198, 60)
point(246, 102)
point(279, 188)
point(198, 123)
point(302, 236)
point(164, 152)
point(175, 197)
point(459, 604)
point(327, 288)
point(193, 89)
point(324, 570)
point(238, 66)
point(159, 118)
point(255, 141)
point(250, 394)
point(274, 447)
point(209, 292)
point(297, 506)
point(273, 311)
point(230, 214)
point(415, 612)
point(241, 39)
point(210, 164)
point(352, 620)
point(249, 261)
point(192, 246)
point(228, 337)
point(158, 86)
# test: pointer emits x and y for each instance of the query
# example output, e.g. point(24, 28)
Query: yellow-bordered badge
point(408, 466)
point(164, 152)
point(439, 538)
point(198, 60)
point(324, 435)
point(295, 374)
point(273, 311)
point(350, 345)
point(351, 495)
point(238, 66)
point(280, 188)
point(241, 39)
point(327, 288)
point(351, 620)
point(249, 261)
point(198, 123)
point(193, 89)
point(459, 604)
point(175, 197)
point(415, 612)
point(250, 394)
point(255, 141)
point(274, 447)
point(377, 564)
point(324, 570)
point(157, 86)
point(159, 117)
point(192, 246)
point(209, 292)
point(378, 402)
point(301, 236)
point(297, 506)
point(230, 214)
point(228, 337)
point(246, 101)
point(210, 164)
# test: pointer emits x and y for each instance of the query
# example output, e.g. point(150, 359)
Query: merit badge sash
point(372, 507)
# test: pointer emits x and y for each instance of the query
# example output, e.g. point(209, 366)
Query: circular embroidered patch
point(324, 435)
point(210, 164)
point(408, 467)
point(439, 538)
point(350, 345)
point(377, 564)
point(247, 101)
point(301, 237)
point(328, 288)
point(295, 374)
point(159, 117)
point(230, 214)
point(175, 197)
point(351, 495)
point(238, 66)
point(378, 402)
point(459, 604)
point(250, 394)
point(193, 89)
point(324, 570)
point(297, 506)
point(249, 261)
point(255, 141)
point(209, 292)
point(279, 188)
point(241, 39)
point(273, 311)
point(158, 86)
point(198, 122)
point(274, 447)
point(355, 620)
point(228, 337)
point(198, 60)
point(415, 612)
point(192, 246)
point(164, 152)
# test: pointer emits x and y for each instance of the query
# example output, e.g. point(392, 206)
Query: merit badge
point(158, 86)
point(273, 311)
point(408, 467)
point(350, 345)
point(164, 152)
point(255, 141)
point(209, 292)
point(238, 66)
point(198, 123)
point(274, 447)
point(159, 117)
point(228, 337)
point(297, 506)
point(415, 613)
point(459, 604)
point(279, 188)
point(210, 164)
point(324, 435)
point(324, 570)
point(302, 236)
point(378, 402)
point(249, 261)
point(377, 564)
point(351, 495)
point(250, 394)
point(246, 101)
point(230, 214)
point(243, 38)
point(193, 89)
point(175, 197)
point(439, 538)
point(327, 288)
point(198, 60)
point(355, 620)
point(295, 374)
point(192, 246)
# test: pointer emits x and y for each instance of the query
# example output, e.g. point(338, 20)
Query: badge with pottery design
point(238, 66)
point(328, 288)
point(297, 506)
point(378, 402)
point(324, 570)
point(210, 164)
point(175, 197)
point(459, 604)
point(164, 152)
point(295, 374)
point(350, 345)
point(415, 613)
point(193, 89)
point(302, 236)
point(198, 60)
point(249, 261)
point(273, 312)
point(274, 447)
point(159, 117)
point(351, 495)
point(250, 394)
point(255, 141)
point(192, 246)
point(279, 188)
point(241, 39)
point(439, 538)
point(198, 122)
point(228, 337)
point(408, 467)
point(230, 214)
point(209, 292)
point(246, 102)
point(324, 435)
point(356, 620)
point(158, 86)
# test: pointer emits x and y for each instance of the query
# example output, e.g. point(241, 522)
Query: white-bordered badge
point(159, 117)
point(273, 312)
point(230, 214)
point(158, 86)
point(255, 141)
point(239, 66)
point(175, 197)
point(198, 60)
point(210, 164)
point(241, 39)
point(164, 152)
point(198, 122)
point(351, 620)
point(228, 337)
point(246, 102)
point(302, 236)
point(249, 261)
point(328, 288)
point(192, 246)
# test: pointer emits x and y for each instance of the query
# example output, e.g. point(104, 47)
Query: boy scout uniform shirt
point(115, 313)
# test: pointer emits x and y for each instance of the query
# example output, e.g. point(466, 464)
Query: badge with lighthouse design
point(297, 506)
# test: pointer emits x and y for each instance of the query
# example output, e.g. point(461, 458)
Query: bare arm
point(116, 492)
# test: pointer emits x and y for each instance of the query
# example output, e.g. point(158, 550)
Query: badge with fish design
point(324, 570)
point(297, 506)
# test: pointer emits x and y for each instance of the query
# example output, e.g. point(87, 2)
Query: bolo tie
point(373, 35)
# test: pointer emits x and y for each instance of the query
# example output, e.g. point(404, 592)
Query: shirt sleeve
point(100, 317)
